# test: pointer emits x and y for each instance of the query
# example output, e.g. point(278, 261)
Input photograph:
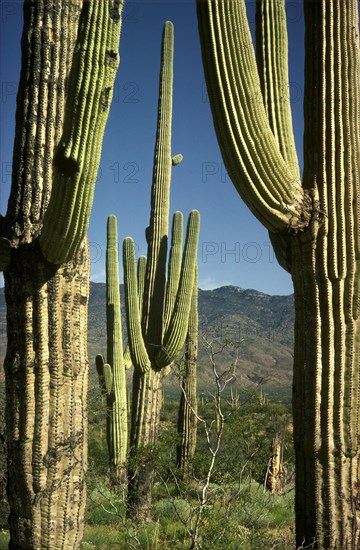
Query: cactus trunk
point(46, 391)
point(326, 275)
point(319, 244)
point(276, 474)
point(46, 358)
point(325, 412)
point(145, 421)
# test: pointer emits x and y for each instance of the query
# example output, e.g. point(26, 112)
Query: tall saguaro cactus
point(69, 63)
point(157, 307)
point(314, 225)
point(112, 373)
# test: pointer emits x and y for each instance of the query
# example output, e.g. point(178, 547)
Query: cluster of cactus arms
point(112, 373)
point(157, 299)
point(187, 417)
point(69, 62)
point(313, 222)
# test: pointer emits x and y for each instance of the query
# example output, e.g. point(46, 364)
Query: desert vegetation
point(223, 499)
point(129, 465)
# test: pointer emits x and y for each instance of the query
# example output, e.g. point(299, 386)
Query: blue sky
point(234, 248)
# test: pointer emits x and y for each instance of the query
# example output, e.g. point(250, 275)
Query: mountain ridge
point(252, 328)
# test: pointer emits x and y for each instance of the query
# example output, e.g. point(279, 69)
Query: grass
point(256, 520)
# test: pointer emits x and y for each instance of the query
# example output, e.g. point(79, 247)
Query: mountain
point(246, 327)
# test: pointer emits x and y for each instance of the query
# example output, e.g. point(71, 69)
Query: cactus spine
point(69, 62)
point(112, 373)
point(314, 225)
point(157, 311)
point(187, 420)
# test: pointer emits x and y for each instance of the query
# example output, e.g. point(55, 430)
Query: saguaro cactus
point(276, 472)
point(112, 373)
point(187, 419)
point(157, 310)
point(69, 63)
point(314, 225)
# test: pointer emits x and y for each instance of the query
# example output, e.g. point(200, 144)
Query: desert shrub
point(238, 514)
point(102, 537)
point(105, 504)
point(172, 508)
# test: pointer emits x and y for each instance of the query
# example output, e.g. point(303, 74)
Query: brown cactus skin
point(276, 473)
point(46, 359)
point(319, 244)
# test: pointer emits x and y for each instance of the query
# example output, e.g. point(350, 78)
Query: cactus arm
point(176, 159)
point(188, 408)
point(114, 370)
point(141, 282)
point(105, 375)
point(113, 315)
point(174, 267)
point(112, 373)
point(250, 152)
point(127, 358)
point(99, 363)
point(139, 355)
point(272, 62)
point(175, 335)
point(141, 269)
point(108, 378)
point(160, 197)
point(78, 154)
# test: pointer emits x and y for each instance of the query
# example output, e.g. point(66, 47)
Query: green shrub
point(104, 506)
point(238, 515)
point(172, 508)
point(102, 537)
point(4, 539)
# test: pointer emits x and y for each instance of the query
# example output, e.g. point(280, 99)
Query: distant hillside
point(260, 326)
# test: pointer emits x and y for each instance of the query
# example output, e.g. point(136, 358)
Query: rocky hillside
point(253, 329)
